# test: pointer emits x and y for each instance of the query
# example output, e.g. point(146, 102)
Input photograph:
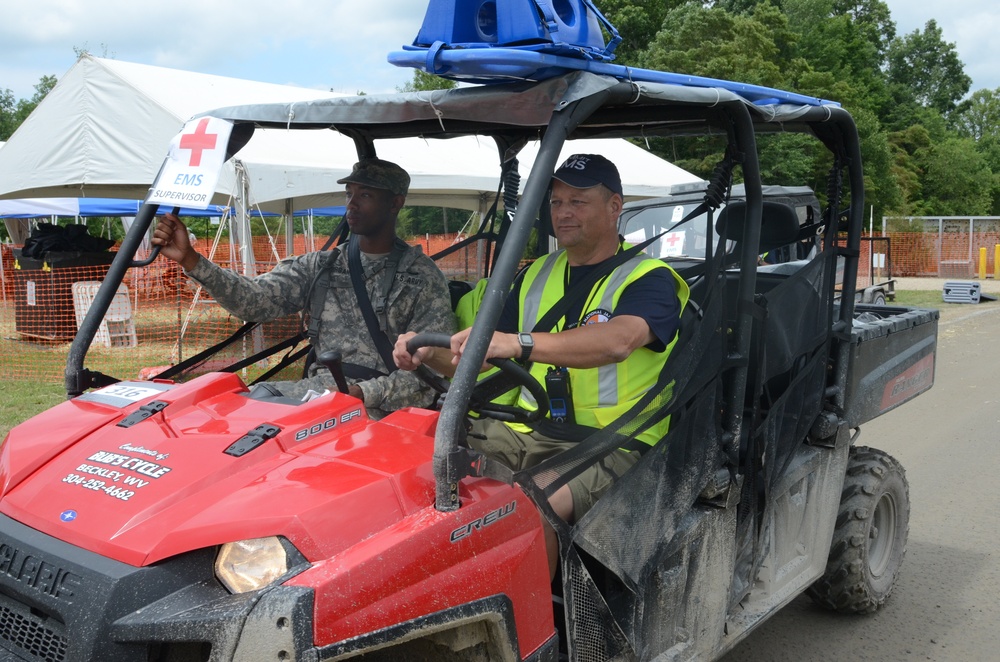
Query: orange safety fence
point(158, 317)
point(927, 254)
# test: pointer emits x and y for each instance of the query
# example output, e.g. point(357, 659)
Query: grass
point(31, 373)
point(922, 299)
point(932, 299)
point(20, 401)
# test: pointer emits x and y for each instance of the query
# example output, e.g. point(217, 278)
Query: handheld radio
point(560, 398)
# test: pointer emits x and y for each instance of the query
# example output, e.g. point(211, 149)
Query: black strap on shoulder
point(582, 288)
point(354, 266)
point(500, 383)
point(338, 236)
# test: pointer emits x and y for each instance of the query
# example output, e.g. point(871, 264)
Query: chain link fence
point(941, 246)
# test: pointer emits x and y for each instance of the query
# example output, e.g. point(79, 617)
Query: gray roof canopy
point(520, 110)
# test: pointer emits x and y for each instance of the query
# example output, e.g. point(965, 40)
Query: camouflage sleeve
point(430, 311)
point(279, 292)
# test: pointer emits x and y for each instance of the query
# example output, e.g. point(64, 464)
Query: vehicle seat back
point(779, 224)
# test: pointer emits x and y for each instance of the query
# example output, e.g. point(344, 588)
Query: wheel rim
point(882, 535)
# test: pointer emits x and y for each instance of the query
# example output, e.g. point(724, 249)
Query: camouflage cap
point(379, 174)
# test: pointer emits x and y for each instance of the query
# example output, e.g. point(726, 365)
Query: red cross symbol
point(672, 238)
point(198, 142)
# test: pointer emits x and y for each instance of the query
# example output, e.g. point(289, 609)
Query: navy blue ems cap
point(589, 170)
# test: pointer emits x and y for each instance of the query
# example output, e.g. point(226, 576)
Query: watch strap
point(527, 344)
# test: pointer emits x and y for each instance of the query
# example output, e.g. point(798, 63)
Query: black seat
point(458, 289)
point(779, 224)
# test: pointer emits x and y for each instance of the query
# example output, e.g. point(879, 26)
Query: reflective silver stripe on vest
point(532, 305)
point(607, 380)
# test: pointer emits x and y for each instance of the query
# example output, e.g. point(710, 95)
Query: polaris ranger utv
point(171, 520)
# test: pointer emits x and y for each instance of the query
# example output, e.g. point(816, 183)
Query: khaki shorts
point(522, 451)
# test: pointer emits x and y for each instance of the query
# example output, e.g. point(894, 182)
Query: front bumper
point(61, 603)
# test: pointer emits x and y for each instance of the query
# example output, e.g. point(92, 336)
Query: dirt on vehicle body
point(170, 520)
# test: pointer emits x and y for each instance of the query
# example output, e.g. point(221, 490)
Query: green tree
point(7, 118)
point(978, 116)
point(941, 174)
point(742, 6)
point(904, 92)
point(882, 191)
point(13, 114)
point(928, 69)
point(423, 82)
point(906, 168)
point(637, 22)
point(848, 42)
point(872, 19)
point(957, 179)
point(756, 47)
point(707, 41)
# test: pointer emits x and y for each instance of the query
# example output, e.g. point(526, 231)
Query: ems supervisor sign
point(191, 171)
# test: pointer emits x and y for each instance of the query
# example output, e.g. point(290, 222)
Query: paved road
point(945, 606)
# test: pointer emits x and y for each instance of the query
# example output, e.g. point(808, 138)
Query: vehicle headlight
point(248, 565)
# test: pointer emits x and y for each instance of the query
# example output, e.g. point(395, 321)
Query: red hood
point(166, 484)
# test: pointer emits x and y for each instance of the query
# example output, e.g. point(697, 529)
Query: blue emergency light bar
point(496, 41)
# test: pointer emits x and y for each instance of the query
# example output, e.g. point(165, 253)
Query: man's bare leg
point(562, 503)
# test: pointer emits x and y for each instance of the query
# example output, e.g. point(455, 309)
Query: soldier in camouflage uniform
point(418, 299)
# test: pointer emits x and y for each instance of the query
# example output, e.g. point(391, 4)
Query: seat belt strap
point(381, 341)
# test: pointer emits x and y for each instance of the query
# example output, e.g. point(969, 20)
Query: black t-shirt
point(652, 297)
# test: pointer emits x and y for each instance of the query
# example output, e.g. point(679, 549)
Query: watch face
point(526, 343)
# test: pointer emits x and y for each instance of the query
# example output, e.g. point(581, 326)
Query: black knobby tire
point(878, 299)
point(870, 539)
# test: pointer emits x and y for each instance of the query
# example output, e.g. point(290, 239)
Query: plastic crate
point(117, 329)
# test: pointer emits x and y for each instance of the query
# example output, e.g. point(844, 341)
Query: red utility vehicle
point(167, 521)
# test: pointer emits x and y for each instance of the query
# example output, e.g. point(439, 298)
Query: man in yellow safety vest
point(602, 356)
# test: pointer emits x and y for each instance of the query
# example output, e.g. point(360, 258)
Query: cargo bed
point(893, 351)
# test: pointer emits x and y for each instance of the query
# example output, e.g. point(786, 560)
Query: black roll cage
point(604, 108)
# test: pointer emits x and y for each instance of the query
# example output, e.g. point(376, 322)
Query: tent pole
point(245, 239)
point(289, 229)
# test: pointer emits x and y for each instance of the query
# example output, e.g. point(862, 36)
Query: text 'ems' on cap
point(589, 170)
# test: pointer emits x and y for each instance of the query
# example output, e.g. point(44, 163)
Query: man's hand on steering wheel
point(411, 352)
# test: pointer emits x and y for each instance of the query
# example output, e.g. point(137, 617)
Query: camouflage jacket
point(418, 301)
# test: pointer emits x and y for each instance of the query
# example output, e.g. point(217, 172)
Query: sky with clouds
point(338, 45)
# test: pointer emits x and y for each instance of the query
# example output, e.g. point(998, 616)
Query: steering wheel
point(517, 372)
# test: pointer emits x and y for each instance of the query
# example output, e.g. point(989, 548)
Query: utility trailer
point(170, 520)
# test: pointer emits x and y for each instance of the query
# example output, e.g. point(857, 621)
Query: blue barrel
point(482, 23)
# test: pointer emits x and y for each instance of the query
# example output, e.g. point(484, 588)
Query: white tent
point(104, 129)
point(462, 173)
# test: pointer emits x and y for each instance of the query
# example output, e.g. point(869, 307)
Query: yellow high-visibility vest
point(600, 395)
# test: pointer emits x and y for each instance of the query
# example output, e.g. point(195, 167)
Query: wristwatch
point(527, 344)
